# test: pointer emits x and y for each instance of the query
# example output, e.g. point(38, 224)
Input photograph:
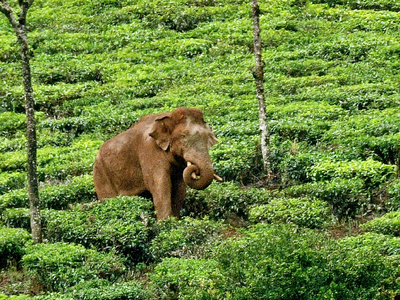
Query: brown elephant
point(159, 155)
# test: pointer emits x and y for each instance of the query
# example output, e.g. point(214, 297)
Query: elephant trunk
point(200, 176)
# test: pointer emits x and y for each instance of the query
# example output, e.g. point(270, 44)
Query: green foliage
point(58, 266)
point(17, 218)
point(278, 262)
point(12, 245)
point(331, 78)
point(387, 224)
point(222, 200)
point(346, 197)
point(393, 190)
point(122, 224)
point(11, 123)
point(371, 172)
point(186, 238)
point(77, 190)
point(11, 181)
point(301, 212)
point(189, 279)
point(101, 289)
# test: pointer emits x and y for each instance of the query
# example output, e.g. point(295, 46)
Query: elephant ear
point(161, 131)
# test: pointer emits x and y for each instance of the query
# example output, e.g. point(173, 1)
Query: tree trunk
point(258, 74)
point(20, 31)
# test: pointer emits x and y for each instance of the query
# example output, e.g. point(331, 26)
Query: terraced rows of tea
point(325, 226)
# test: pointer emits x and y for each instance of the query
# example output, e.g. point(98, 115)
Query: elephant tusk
point(218, 178)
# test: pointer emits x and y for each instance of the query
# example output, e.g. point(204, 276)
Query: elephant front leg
point(160, 189)
point(178, 196)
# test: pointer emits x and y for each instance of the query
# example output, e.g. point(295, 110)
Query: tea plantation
point(325, 226)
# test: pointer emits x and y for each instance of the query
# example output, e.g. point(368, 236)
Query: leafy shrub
point(122, 223)
point(182, 278)
point(101, 289)
point(372, 173)
point(11, 181)
point(278, 262)
point(222, 200)
point(17, 218)
point(12, 245)
point(79, 189)
point(58, 266)
point(393, 189)
point(188, 238)
point(295, 167)
point(14, 198)
point(387, 224)
point(346, 197)
point(11, 122)
point(302, 212)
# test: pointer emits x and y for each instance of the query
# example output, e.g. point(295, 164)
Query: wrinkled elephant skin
point(160, 154)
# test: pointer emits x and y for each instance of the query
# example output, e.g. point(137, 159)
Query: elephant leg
point(160, 189)
point(178, 197)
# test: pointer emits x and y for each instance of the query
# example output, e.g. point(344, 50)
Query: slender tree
point(258, 74)
point(18, 23)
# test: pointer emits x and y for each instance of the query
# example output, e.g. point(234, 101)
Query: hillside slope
point(333, 94)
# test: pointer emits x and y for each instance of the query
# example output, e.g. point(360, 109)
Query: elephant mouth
point(194, 172)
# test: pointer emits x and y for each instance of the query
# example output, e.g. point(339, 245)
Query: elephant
point(158, 156)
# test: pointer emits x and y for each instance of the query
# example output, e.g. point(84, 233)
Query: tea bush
point(301, 212)
point(284, 262)
point(11, 180)
point(58, 266)
point(371, 172)
point(12, 245)
point(11, 123)
point(278, 262)
point(77, 190)
point(222, 200)
point(123, 224)
point(101, 289)
point(393, 189)
point(186, 238)
point(17, 218)
point(346, 197)
point(386, 224)
point(190, 279)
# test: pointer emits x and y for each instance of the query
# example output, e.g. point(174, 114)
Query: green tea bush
point(12, 245)
point(123, 224)
point(346, 197)
point(299, 211)
point(11, 181)
point(186, 238)
point(222, 200)
point(393, 190)
point(11, 122)
point(280, 262)
point(55, 267)
point(372, 173)
point(17, 218)
point(101, 289)
point(387, 224)
point(20, 297)
point(296, 166)
point(183, 278)
point(14, 198)
point(79, 189)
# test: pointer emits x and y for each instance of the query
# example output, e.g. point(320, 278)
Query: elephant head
point(186, 138)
